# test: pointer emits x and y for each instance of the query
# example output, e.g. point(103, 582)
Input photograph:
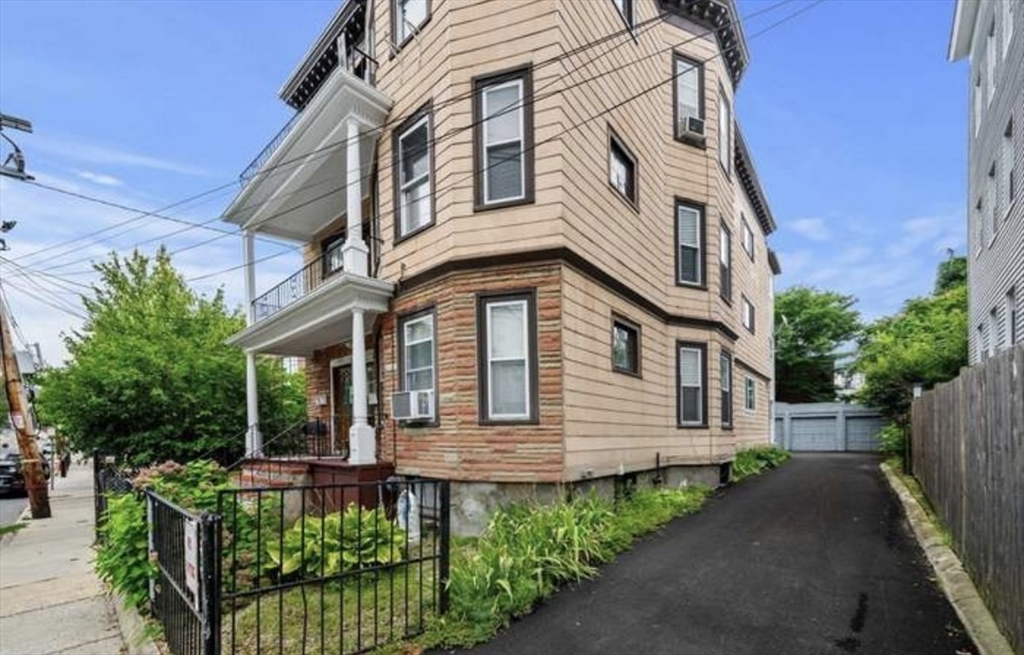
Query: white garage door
point(862, 432)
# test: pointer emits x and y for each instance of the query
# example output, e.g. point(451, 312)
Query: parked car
point(12, 477)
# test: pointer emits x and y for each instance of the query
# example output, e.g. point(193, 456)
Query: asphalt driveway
point(813, 558)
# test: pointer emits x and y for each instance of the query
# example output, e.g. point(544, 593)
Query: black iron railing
point(254, 168)
point(299, 284)
point(109, 477)
point(337, 568)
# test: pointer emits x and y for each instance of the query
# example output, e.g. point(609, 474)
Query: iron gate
point(184, 592)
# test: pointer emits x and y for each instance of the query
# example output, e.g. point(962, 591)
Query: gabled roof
point(965, 15)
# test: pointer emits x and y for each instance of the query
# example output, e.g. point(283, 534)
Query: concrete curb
point(26, 516)
point(132, 626)
point(955, 583)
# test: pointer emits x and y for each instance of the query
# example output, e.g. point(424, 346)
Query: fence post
point(97, 491)
point(446, 539)
point(209, 582)
point(150, 547)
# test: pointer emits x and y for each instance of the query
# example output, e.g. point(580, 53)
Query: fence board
point(967, 439)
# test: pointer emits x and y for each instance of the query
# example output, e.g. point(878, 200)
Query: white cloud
point(111, 156)
point(810, 228)
point(99, 178)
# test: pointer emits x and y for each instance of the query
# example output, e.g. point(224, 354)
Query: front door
point(341, 401)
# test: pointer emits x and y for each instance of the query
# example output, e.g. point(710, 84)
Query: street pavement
point(51, 602)
point(11, 508)
point(814, 558)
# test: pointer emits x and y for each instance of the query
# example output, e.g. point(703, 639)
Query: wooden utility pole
point(31, 462)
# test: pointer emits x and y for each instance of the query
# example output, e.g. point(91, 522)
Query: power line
point(40, 299)
point(633, 33)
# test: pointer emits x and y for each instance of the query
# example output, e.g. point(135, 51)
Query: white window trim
point(691, 68)
point(748, 314)
point(990, 62)
point(724, 132)
point(491, 414)
point(614, 147)
point(700, 420)
point(725, 382)
point(410, 184)
point(520, 109)
point(696, 246)
point(620, 6)
point(749, 394)
point(405, 28)
point(407, 343)
point(1007, 20)
point(748, 238)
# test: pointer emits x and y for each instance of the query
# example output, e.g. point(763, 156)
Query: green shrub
point(529, 550)
point(891, 440)
point(756, 460)
point(316, 547)
point(122, 559)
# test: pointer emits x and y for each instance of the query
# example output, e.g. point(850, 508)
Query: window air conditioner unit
point(412, 405)
point(691, 127)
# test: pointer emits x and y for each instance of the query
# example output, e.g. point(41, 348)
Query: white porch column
point(253, 439)
point(361, 437)
point(354, 253)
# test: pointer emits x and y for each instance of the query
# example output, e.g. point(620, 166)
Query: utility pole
point(31, 463)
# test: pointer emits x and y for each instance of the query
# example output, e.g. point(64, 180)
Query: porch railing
point(254, 168)
point(299, 284)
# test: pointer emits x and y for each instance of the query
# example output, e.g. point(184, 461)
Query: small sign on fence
point(192, 557)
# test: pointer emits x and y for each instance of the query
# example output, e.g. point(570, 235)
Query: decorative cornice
point(722, 17)
point(773, 262)
point(752, 185)
point(580, 263)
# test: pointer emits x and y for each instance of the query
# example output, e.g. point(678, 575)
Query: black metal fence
point(325, 569)
point(109, 476)
point(184, 593)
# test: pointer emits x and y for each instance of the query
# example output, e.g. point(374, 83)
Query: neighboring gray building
point(991, 34)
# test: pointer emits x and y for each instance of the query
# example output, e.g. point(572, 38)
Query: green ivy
point(122, 559)
point(756, 460)
point(316, 547)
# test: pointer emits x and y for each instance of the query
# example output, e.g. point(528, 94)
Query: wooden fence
point(967, 449)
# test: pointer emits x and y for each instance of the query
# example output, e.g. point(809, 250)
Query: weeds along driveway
point(812, 558)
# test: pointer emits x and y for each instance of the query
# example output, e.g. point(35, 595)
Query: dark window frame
point(630, 325)
point(703, 348)
point(616, 142)
point(701, 111)
point(745, 230)
point(752, 328)
point(749, 394)
point(702, 282)
point(483, 299)
point(479, 84)
point(628, 6)
point(409, 37)
point(726, 403)
point(731, 127)
point(725, 271)
point(426, 110)
point(401, 320)
point(335, 240)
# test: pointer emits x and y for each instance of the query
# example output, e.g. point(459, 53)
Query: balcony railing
point(300, 284)
point(254, 168)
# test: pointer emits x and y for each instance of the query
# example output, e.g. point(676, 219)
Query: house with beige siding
point(988, 33)
point(535, 245)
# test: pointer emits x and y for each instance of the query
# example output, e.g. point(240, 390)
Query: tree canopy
point(809, 327)
point(150, 375)
point(952, 273)
point(925, 343)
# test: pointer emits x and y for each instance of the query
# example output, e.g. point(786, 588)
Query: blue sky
point(856, 122)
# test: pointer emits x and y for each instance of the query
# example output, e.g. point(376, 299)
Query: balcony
point(312, 308)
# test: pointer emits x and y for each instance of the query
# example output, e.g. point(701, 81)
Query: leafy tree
point(952, 273)
point(150, 376)
point(809, 326)
point(925, 343)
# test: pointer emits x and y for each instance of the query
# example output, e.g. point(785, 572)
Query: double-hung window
point(976, 97)
point(1011, 191)
point(748, 315)
point(689, 244)
point(508, 358)
point(692, 398)
point(625, 346)
point(418, 366)
point(725, 370)
point(990, 62)
point(503, 118)
point(621, 169)
point(749, 394)
point(748, 237)
point(414, 183)
point(689, 92)
point(331, 256)
point(409, 16)
point(1009, 8)
point(724, 132)
point(725, 263)
point(993, 203)
point(1011, 317)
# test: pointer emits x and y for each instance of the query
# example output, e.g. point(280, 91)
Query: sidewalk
point(50, 599)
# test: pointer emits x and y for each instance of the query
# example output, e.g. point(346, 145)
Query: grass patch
point(317, 617)
point(753, 461)
point(11, 528)
point(914, 487)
